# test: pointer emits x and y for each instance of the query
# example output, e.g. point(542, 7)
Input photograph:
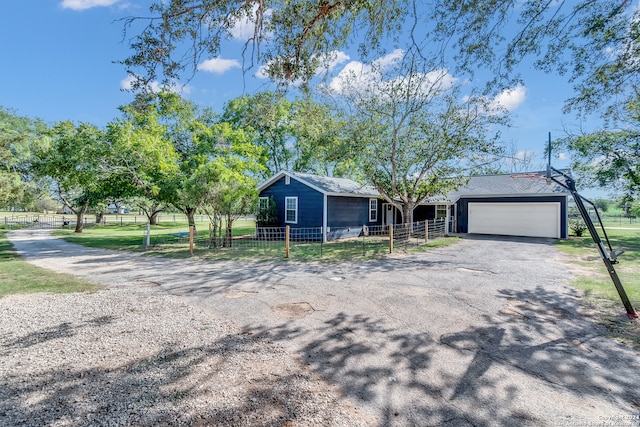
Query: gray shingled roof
point(515, 184)
point(336, 186)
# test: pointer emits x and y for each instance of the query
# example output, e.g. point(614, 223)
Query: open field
point(614, 217)
point(166, 219)
point(592, 278)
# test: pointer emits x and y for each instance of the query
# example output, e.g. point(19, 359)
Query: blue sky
point(58, 64)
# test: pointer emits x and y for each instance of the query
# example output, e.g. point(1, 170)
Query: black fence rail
point(38, 221)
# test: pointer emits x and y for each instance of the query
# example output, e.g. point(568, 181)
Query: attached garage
point(511, 205)
point(529, 219)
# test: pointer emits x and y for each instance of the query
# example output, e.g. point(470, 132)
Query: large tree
point(299, 134)
point(19, 138)
point(609, 158)
point(143, 158)
point(267, 117)
point(412, 133)
point(178, 137)
point(290, 36)
point(174, 143)
point(225, 189)
point(75, 162)
point(321, 144)
point(593, 42)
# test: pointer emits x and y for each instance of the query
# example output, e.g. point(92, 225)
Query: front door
point(388, 214)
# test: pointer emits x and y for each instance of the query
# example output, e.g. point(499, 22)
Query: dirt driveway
point(485, 332)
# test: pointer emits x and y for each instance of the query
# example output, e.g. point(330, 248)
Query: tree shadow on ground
point(219, 383)
point(538, 339)
point(576, 351)
point(63, 330)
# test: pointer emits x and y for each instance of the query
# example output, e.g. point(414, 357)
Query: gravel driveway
point(484, 332)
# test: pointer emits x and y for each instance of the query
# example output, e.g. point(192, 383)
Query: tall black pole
point(608, 259)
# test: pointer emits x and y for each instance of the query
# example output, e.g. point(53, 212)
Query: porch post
point(324, 218)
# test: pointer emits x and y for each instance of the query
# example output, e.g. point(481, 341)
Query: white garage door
point(515, 219)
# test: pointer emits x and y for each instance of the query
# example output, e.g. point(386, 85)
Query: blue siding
point(345, 214)
point(463, 209)
point(309, 202)
point(349, 212)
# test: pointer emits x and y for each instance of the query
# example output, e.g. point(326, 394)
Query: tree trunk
point(228, 241)
point(80, 217)
point(213, 234)
point(191, 216)
point(153, 219)
point(407, 213)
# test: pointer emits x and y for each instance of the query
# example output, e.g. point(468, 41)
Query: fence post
point(426, 231)
point(147, 242)
point(286, 241)
point(390, 238)
point(191, 240)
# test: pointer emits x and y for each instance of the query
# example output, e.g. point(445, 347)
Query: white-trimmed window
point(373, 210)
point(291, 210)
point(441, 211)
point(263, 203)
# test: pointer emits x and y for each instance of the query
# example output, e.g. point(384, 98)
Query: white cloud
point(244, 28)
point(127, 84)
point(389, 59)
point(509, 99)
point(86, 4)
point(563, 156)
point(218, 65)
point(333, 59)
point(506, 101)
point(262, 72)
point(357, 77)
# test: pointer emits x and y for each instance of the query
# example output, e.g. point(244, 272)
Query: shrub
point(267, 215)
point(578, 226)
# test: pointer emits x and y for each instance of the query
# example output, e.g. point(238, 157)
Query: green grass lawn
point(169, 237)
point(128, 236)
point(18, 276)
point(598, 288)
